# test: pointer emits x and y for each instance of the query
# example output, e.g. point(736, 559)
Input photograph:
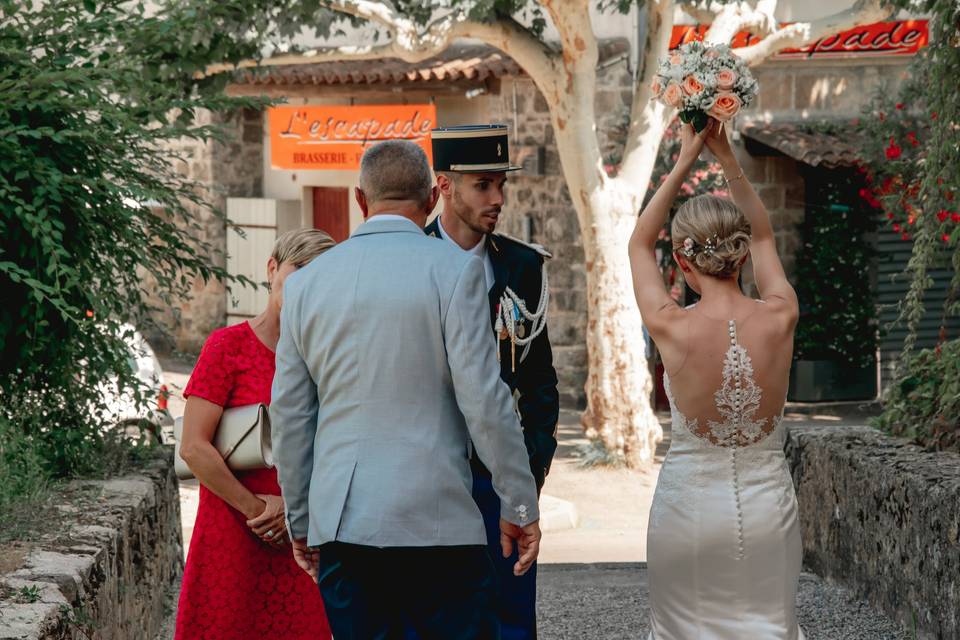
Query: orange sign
point(902, 37)
point(335, 137)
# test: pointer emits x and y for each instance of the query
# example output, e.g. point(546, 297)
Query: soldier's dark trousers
point(518, 596)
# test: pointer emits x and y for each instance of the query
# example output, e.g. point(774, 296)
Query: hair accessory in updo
point(691, 248)
point(724, 230)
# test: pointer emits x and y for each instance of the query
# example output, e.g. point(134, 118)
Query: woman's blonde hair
point(300, 246)
point(713, 234)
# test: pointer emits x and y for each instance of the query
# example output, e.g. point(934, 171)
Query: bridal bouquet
point(704, 81)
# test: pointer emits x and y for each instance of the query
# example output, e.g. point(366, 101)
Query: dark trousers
point(518, 596)
point(444, 593)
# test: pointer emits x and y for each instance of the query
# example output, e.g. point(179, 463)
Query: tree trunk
point(619, 384)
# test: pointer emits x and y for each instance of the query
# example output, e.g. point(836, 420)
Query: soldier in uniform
point(471, 163)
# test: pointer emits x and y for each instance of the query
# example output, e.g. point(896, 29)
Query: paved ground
point(593, 582)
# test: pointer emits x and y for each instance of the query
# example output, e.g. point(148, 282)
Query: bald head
point(395, 170)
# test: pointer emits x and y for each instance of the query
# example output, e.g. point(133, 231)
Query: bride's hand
point(717, 142)
point(691, 143)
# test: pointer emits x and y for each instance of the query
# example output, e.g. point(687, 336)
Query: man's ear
point(444, 185)
point(361, 200)
point(434, 198)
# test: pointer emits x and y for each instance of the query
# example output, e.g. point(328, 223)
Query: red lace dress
point(235, 586)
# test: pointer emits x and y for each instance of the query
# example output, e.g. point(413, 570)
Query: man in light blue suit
point(386, 378)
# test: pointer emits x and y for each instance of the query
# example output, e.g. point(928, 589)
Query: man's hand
point(528, 542)
point(270, 525)
point(306, 558)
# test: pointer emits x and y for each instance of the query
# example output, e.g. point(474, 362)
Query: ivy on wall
point(838, 312)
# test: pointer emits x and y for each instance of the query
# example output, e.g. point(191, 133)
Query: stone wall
point(882, 517)
point(231, 168)
point(102, 572)
point(544, 199)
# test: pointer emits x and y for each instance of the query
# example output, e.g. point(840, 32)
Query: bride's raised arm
point(652, 297)
point(767, 269)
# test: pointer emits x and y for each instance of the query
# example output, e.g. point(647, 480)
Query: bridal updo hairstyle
point(718, 233)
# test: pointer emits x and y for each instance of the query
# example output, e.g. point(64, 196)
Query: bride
point(724, 543)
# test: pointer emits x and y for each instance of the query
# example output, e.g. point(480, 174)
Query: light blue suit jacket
point(386, 371)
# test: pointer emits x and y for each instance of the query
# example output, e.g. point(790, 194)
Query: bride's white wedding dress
point(723, 543)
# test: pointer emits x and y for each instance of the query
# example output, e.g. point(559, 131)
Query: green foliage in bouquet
point(838, 312)
point(924, 404)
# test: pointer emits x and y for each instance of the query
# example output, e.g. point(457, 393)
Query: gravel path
point(609, 602)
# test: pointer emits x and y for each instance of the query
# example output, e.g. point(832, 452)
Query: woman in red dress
point(241, 581)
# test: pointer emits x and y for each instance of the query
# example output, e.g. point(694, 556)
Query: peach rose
point(726, 79)
point(656, 87)
point(726, 106)
point(712, 54)
point(673, 95)
point(692, 86)
point(676, 58)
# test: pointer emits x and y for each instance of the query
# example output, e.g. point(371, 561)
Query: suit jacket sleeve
point(539, 401)
point(293, 415)
point(483, 398)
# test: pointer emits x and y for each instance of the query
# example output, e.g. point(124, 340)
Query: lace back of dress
point(737, 402)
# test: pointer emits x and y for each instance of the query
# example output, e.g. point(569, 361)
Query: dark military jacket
point(534, 382)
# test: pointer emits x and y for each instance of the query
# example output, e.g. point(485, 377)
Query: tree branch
point(740, 16)
point(378, 12)
point(411, 45)
point(800, 34)
point(648, 119)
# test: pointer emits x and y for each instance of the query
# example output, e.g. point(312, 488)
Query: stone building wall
point(229, 168)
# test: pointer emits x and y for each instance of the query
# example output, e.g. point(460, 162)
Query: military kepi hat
point(478, 148)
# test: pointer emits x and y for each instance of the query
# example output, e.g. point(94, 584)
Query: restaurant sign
point(335, 136)
point(896, 38)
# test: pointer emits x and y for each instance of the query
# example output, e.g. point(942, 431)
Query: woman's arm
point(200, 420)
point(767, 269)
point(648, 285)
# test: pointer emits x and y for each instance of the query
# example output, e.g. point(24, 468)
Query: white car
point(121, 409)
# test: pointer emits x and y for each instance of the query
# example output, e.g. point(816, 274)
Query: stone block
point(568, 300)
point(771, 196)
point(116, 572)
point(571, 357)
point(811, 92)
point(880, 516)
point(566, 328)
point(776, 91)
point(782, 170)
point(606, 102)
point(540, 104)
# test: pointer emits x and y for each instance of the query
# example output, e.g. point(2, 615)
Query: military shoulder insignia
point(529, 245)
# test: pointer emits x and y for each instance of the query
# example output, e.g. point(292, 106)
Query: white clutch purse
point(242, 438)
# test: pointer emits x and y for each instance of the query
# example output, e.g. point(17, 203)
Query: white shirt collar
point(383, 217)
point(480, 251)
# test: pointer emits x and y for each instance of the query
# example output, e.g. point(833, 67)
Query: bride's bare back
point(729, 375)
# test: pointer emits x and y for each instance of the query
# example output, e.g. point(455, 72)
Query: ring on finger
point(270, 533)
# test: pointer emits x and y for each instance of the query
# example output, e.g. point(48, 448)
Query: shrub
point(90, 205)
point(924, 403)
